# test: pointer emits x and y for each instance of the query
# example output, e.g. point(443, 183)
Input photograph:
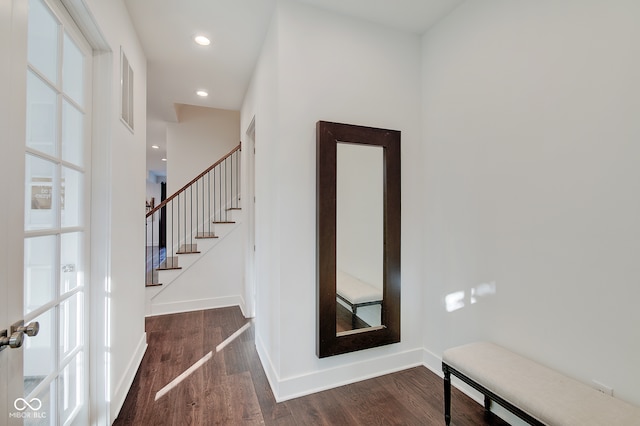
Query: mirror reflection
point(359, 237)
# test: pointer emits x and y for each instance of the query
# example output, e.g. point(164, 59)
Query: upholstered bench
point(356, 293)
point(537, 394)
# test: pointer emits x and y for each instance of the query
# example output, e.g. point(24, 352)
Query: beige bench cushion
point(355, 290)
point(545, 394)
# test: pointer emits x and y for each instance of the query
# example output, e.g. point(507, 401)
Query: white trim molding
point(125, 382)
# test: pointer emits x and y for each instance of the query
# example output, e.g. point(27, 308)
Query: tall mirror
point(358, 237)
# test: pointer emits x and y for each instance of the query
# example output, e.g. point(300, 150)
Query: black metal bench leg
point(447, 395)
point(354, 316)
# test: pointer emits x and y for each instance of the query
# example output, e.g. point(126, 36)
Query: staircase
point(192, 221)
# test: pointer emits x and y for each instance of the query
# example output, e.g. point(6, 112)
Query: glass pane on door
point(42, 112)
point(40, 194)
point(72, 134)
point(43, 40)
point(71, 261)
point(70, 325)
point(73, 71)
point(40, 354)
point(47, 411)
point(70, 384)
point(71, 198)
point(39, 271)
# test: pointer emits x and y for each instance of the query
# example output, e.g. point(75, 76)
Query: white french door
point(54, 225)
point(44, 221)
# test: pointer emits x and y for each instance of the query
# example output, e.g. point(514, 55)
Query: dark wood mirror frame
point(328, 135)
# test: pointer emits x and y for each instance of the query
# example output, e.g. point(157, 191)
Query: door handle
point(30, 329)
point(18, 330)
point(13, 341)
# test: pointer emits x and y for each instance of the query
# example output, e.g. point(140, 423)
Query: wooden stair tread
point(168, 269)
point(222, 222)
point(153, 284)
point(187, 252)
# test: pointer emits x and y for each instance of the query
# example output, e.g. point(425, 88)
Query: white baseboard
point(317, 381)
point(195, 305)
point(267, 366)
point(122, 389)
point(433, 362)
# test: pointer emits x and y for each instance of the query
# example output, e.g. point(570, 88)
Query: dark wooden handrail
point(184, 188)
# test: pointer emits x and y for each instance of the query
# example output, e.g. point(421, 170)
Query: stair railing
point(191, 213)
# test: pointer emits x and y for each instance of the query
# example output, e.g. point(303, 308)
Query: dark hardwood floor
point(230, 386)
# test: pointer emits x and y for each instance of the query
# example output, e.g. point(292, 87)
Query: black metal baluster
point(146, 254)
point(152, 249)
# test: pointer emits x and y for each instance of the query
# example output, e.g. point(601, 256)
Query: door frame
point(249, 204)
point(98, 344)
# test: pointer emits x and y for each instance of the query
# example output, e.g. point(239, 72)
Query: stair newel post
point(214, 195)
point(209, 200)
point(173, 218)
point(226, 219)
point(146, 252)
point(178, 226)
point(203, 210)
point(153, 262)
point(238, 179)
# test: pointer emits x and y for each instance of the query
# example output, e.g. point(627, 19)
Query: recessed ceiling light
point(164, 159)
point(202, 40)
point(155, 147)
point(202, 93)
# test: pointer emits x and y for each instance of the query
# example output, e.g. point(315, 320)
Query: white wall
point(119, 193)
point(531, 183)
point(200, 138)
point(321, 66)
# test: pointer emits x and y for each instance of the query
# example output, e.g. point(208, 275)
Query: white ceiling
point(177, 67)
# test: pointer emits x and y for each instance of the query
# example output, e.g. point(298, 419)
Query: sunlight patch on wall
point(458, 299)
